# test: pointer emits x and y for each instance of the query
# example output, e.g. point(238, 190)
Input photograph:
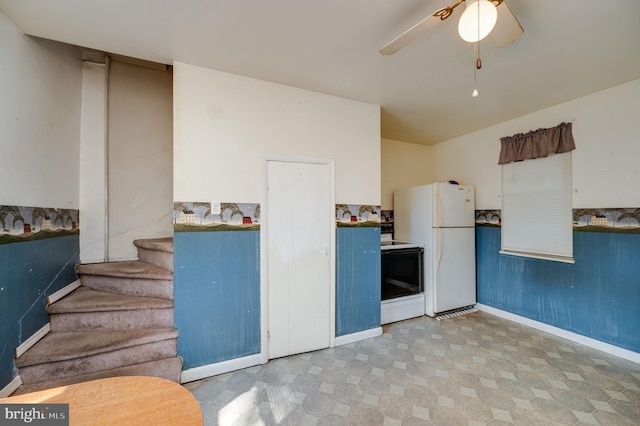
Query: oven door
point(402, 272)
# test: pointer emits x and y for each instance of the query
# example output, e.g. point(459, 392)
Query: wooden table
point(130, 400)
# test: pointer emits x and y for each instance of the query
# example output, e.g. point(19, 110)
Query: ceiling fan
point(507, 28)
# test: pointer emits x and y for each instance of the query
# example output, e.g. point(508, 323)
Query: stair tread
point(157, 244)
point(85, 299)
point(156, 368)
point(66, 345)
point(127, 269)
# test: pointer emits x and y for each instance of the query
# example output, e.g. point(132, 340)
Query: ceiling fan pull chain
point(475, 71)
point(478, 60)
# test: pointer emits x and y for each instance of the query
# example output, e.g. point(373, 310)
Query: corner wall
point(605, 166)
point(225, 126)
point(599, 295)
point(40, 82)
point(403, 165)
point(140, 156)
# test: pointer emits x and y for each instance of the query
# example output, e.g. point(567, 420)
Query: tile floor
point(474, 369)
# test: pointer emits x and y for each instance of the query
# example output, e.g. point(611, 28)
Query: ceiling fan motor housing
point(477, 20)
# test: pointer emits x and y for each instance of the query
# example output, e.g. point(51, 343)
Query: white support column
point(93, 167)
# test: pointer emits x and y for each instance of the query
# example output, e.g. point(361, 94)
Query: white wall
point(403, 164)
point(606, 170)
point(140, 156)
point(224, 124)
point(40, 86)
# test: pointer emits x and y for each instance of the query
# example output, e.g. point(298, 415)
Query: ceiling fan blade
point(410, 35)
point(508, 29)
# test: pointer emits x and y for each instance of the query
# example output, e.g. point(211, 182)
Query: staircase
point(118, 322)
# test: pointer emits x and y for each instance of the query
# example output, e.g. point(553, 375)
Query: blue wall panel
point(217, 295)
point(29, 272)
point(598, 296)
point(357, 279)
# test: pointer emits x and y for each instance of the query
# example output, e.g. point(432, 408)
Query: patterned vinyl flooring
point(475, 369)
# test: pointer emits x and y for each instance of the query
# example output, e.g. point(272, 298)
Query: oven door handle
point(413, 250)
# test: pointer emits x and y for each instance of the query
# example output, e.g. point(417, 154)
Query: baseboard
point(53, 298)
point(356, 337)
point(6, 391)
point(33, 339)
point(210, 370)
point(556, 331)
point(205, 371)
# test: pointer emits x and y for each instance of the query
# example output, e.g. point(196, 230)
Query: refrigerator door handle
point(437, 223)
point(438, 218)
point(438, 247)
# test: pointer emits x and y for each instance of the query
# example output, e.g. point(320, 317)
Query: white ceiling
point(570, 48)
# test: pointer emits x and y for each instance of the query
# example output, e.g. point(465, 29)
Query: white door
point(454, 268)
point(299, 226)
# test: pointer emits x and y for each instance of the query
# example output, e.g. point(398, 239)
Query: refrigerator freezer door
point(454, 269)
point(453, 205)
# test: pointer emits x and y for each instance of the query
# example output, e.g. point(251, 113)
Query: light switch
point(215, 207)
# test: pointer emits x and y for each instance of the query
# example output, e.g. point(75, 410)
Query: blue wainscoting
point(217, 295)
point(357, 279)
point(598, 296)
point(30, 271)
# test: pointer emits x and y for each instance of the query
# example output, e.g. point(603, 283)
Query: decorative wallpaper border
point(619, 220)
point(20, 223)
point(357, 216)
point(488, 218)
point(195, 216)
point(613, 220)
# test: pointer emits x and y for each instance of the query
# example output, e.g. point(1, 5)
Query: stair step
point(87, 309)
point(65, 354)
point(167, 368)
point(157, 251)
point(127, 269)
point(132, 278)
point(69, 344)
point(119, 322)
point(85, 299)
point(157, 244)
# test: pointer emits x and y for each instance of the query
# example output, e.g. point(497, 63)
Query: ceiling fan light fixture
point(477, 20)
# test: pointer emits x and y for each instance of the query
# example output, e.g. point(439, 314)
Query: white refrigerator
point(441, 216)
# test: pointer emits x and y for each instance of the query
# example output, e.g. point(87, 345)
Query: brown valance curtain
point(536, 144)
